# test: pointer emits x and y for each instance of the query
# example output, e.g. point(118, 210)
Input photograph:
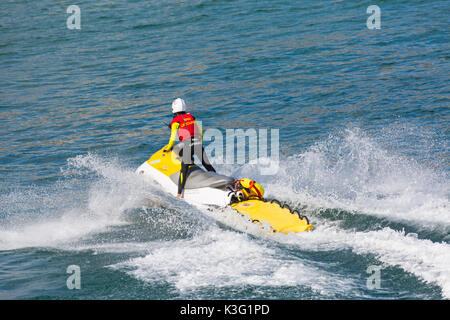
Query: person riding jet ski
point(191, 138)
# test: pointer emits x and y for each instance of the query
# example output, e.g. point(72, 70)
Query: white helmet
point(178, 105)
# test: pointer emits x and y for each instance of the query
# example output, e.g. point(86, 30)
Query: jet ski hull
point(162, 167)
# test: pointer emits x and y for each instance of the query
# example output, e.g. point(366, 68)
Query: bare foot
point(179, 196)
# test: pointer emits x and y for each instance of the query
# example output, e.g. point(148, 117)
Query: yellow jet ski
point(212, 189)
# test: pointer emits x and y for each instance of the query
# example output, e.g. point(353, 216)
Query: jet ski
point(211, 189)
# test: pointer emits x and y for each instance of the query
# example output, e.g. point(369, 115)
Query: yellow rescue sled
point(280, 218)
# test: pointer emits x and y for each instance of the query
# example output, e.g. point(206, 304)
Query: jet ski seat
point(199, 178)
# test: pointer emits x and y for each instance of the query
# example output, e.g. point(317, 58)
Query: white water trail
point(219, 258)
point(352, 172)
point(423, 258)
point(73, 208)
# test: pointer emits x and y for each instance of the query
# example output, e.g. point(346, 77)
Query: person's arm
point(173, 136)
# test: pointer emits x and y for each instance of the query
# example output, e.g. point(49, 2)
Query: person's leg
point(186, 155)
point(201, 155)
point(182, 177)
point(205, 160)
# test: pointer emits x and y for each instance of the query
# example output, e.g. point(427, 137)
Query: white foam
point(222, 258)
point(53, 232)
point(424, 258)
point(67, 212)
point(351, 171)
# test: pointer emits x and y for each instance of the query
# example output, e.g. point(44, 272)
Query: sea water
point(362, 113)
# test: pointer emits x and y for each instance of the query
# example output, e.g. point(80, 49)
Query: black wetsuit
point(191, 146)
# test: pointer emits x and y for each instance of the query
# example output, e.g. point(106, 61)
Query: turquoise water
point(364, 144)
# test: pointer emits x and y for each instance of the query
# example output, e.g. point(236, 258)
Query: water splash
point(74, 207)
point(353, 172)
point(226, 259)
point(424, 258)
